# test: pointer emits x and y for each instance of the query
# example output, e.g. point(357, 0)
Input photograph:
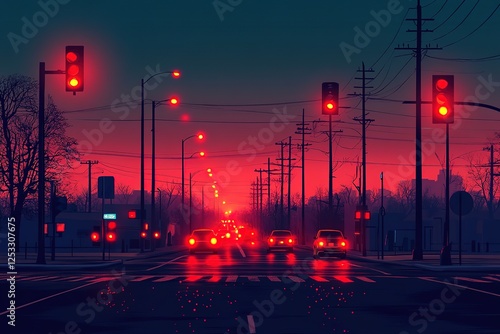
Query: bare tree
point(19, 143)
point(123, 193)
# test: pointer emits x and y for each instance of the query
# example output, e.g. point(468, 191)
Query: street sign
point(461, 203)
point(109, 216)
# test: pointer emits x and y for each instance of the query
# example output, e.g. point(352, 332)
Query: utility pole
point(492, 176)
point(417, 252)
point(363, 122)
point(90, 163)
point(282, 182)
point(303, 130)
point(289, 181)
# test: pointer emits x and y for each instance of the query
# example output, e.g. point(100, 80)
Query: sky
point(249, 68)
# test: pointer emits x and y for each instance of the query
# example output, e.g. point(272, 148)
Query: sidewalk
point(86, 260)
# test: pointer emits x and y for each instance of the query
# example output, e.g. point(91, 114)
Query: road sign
point(461, 203)
point(109, 216)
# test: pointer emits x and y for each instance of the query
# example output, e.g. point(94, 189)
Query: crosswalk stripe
point(253, 278)
point(474, 280)
point(319, 278)
point(166, 278)
point(365, 279)
point(343, 279)
point(193, 278)
point(231, 278)
point(296, 279)
point(214, 279)
point(492, 278)
point(273, 278)
point(141, 278)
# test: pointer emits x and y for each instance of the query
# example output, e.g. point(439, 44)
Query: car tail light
point(342, 243)
point(213, 241)
point(321, 243)
point(271, 240)
point(239, 235)
point(228, 235)
point(290, 241)
point(191, 241)
point(253, 242)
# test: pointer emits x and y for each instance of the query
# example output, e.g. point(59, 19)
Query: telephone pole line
point(303, 130)
point(417, 252)
point(363, 122)
point(90, 163)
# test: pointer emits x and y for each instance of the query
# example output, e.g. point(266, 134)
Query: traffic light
point(443, 99)
point(144, 234)
point(95, 236)
point(132, 214)
point(111, 233)
point(74, 68)
point(330, 98)
point(357, 221)
point(156, 235)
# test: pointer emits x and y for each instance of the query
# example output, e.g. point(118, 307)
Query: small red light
point(111, 225)
point(290, 240)
point(321, 244)
point(343, 244)
point(132, 214)
point(213, 241)
point(94, 236)
point(71, 57)
point(357, 215)
point(441, 84)
point(176, 74)
point(191, 241)
point(228, 235)
point(330, 105)
point(271, 240)
point(143, 234)
point(111, 236)
point(73, 70)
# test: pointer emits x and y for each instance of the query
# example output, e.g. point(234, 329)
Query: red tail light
point(213, 241)
point(290, 241)
point(192, 241)
point(343, 243)
point(271, 240)
point(321, 243)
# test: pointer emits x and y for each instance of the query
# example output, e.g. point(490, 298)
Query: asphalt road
point(246, 290)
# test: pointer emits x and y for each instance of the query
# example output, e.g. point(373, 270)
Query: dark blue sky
point(262, 52)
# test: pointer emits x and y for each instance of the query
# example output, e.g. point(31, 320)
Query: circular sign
point(461, 202)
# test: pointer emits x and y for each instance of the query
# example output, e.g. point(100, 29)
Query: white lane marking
point(251, 324)
point(474, 280)
point(164, 263)
point(492, 278)
point(141, 278)
point(165, 278)
point(319, 278)
point(274, 278)
point(31, 278)
point(458, 286)
point(231, 278)
point(379, 271)
point(296, 279)
point(241, 250)
point(365, 279)
point(48, 297)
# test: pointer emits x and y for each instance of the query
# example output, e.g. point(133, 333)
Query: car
point(203, 240)
point(329, 242)
point(281, 239)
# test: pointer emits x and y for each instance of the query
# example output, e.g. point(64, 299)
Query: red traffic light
point(442, 99)
point(74, 68)
point(94, 236)
point(357, 214)
point(111, 236)
point(132, 214)
point(156, 235)
point(144, 234)
point(330, 98)
point(111, 225)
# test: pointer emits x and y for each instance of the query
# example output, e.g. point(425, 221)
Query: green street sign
point(109, 216)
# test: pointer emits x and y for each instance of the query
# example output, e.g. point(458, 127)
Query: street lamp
point(200, 136)
point(171, 101)
point(175, 74)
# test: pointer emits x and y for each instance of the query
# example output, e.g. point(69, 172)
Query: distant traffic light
point(330, 98)
point(132, 214)
point(74, 68)
point(144, 234)
point(443, 99)
point(156, 235)
point(111, 233)
point(95, 236)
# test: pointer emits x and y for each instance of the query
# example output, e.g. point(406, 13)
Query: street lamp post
point(200, 137)
point(175, 74)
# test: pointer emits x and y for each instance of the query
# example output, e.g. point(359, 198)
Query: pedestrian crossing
point(344, 279)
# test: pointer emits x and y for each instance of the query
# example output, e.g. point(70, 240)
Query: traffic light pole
point(446, 251)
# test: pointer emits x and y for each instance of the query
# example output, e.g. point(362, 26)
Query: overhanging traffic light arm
point(476, 104)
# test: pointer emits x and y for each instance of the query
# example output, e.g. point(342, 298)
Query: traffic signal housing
point(74, 68)
point(443, 99)
point(330, 98)
point(111, 233)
